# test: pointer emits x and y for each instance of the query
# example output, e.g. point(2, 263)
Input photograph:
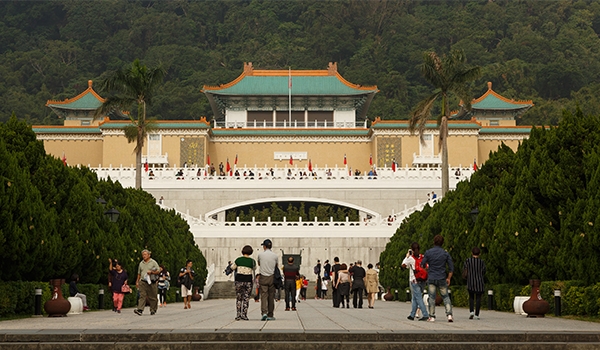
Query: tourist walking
point(358, 285)
point(343, 285)
point(186, 278)
point(267, 262)
point(163, 285)
point(290, 273)
point(244, 267)
point(473, 272)
point(335, 295)
point(145, 282)
point(304, 288)
point(317, 271)
point(438, 259)
point(118, 284)
point(372, 285)
point(412, 261)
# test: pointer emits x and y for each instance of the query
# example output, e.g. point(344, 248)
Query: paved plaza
point(312, 315)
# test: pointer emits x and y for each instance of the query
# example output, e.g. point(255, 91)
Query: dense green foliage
point(539, 211)
point(18, 297)
point(295, 212)
point(548, 51)
point(53, 227)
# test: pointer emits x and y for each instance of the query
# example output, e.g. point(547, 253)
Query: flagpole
point(290, 95)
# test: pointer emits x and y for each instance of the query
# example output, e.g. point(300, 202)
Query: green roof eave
point(278, 86)
point(492, 102)
point(66, 130)
point(163, 125)
point(519, 130)
point(404, 125)
point(290, 132)
point(86, 102)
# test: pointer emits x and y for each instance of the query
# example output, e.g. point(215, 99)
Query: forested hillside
point(547, 51)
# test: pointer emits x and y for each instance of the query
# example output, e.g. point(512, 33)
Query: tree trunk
point(445, 165)
point(138, 164)
point(444, 130)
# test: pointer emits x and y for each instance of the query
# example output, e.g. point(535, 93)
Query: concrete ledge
point(293, 336)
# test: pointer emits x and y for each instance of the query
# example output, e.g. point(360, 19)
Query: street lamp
point(474, 213)
point(112, 214)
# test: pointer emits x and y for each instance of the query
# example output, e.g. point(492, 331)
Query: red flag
point(64, 159)
point(474, 164)
point(309, 166)
point(208, 159)
point(393, 165)
point(235, 163)
point(345, 161)
point(146, 166)
point(228, 166)
point(291, 160)
point(371, 160)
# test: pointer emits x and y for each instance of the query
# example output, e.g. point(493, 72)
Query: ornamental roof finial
point(89, 84)
point(248, 69)
point(332, 68)
point(489, 85)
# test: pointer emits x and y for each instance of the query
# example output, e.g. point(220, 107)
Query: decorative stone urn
point(536, 306)
point(196, 296)
point(58, 306)
point(388, 296)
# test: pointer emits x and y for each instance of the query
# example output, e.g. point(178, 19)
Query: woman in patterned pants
point(244, 267)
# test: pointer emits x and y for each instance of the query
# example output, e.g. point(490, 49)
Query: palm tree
point(449, 74)
point(126, 88)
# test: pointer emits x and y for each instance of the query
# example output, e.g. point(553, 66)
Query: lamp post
point(112, 215)
point(474, 213)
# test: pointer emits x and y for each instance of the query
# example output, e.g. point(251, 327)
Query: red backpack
point(420, 273)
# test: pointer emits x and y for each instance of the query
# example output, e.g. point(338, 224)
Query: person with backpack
point(438, 258)
point(417, 276)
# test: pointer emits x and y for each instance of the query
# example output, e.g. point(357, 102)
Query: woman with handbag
point(343, 285)
point(119, 285)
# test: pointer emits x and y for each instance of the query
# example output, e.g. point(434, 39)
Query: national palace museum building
point(274, 125)
point(326, 126)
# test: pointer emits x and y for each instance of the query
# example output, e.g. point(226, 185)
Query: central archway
point(219, 213)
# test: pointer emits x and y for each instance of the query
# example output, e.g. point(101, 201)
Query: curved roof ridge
point(500, 97)
point(249, 71)
point(73, 99)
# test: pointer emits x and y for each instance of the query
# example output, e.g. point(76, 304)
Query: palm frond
point(421, 114)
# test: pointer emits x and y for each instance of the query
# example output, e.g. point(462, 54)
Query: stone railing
point(177, 177)
point(210, 280)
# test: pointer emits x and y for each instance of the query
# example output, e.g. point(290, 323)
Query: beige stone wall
point(320, 153)
point(78, 152)
point(462, 150)
point(117, 151)
point(485, 146)
point(171, 146)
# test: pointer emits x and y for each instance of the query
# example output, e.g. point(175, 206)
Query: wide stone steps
point(222, 290)
point(293, 339)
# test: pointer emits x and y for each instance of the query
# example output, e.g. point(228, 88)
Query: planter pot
point(536, 306)
point(388, 296)
point(58, 306)
point(196, 296)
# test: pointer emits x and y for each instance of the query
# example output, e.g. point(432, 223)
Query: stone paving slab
point(313, 317)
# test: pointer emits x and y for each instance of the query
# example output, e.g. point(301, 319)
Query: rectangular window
point(494, 122)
